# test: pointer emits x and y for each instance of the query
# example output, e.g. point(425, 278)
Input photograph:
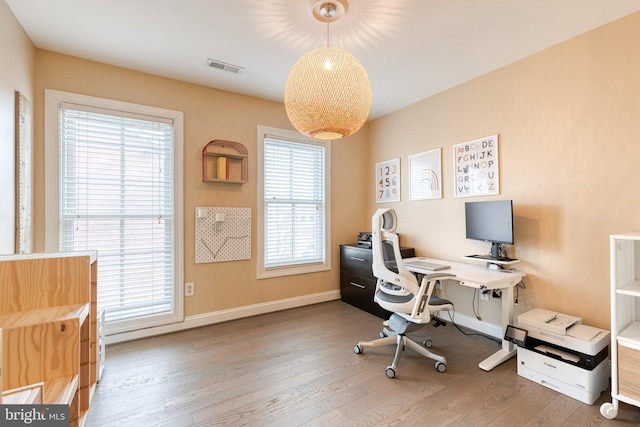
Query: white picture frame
point(425, 175)
point(476, 167)
point(388, 181)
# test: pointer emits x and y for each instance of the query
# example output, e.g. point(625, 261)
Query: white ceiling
point(411, 49)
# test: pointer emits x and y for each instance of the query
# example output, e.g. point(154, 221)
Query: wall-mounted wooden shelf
point(225, 161)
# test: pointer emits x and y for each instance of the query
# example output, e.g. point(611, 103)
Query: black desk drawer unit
point(357, 283)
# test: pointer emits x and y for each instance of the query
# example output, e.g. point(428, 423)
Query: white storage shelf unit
point(625, 322)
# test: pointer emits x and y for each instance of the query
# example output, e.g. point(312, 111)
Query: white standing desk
point(480, 277)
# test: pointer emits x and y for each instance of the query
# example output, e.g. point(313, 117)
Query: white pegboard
point(222, 234)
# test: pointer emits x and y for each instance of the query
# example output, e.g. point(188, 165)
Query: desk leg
point(508, 350)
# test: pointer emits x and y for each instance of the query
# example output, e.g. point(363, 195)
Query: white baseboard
point(225, 315)
point(214, 317)
point(470, 322)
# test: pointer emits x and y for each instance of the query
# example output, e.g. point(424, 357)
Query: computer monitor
point(490, 221)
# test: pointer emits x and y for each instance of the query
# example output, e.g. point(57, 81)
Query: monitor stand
point(495, 250)
point(490, 259)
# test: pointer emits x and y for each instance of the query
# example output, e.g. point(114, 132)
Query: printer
point(364, 239)
point(561, 353)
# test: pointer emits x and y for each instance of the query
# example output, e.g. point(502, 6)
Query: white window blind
point(295, 208)
point(24, 171)
point(116, 196)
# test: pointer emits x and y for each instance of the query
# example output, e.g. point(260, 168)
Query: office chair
point(398, 291)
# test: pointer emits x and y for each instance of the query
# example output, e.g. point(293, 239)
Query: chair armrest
point(426, 289)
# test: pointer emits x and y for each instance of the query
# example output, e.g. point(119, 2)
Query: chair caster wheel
point(357, 349)
point(391, 373)
point(441, 367)
point(382, 334)
point(608, 410)
point(427, 343)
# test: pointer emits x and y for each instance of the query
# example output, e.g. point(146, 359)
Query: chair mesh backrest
point(389, 256)
point(387, 261)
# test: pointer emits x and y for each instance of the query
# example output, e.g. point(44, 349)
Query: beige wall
point(568, 121)
point(16, 74)
point(210, 114)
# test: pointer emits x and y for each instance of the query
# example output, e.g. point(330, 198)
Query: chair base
point(401, 341)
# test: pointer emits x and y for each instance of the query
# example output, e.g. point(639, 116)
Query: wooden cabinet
point(357, 283)
point(625, 322)
point(48, 324)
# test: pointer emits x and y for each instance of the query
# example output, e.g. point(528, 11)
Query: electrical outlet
point(484, 294)
point(189, 289)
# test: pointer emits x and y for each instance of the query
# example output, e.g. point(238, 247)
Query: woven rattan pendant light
point(327, 94)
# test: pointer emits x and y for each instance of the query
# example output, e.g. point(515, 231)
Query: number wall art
point(388, 181)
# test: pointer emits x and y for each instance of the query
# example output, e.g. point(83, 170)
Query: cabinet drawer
point(353, 286)
point(356, 260)
point(359, 291)
point(629, 372)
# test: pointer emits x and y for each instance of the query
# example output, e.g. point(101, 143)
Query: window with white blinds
point(117, 196)
point(295, 204)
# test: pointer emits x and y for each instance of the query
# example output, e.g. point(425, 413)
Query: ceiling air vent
point(214, 63)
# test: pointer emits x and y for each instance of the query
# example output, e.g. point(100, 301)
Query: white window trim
point(290, 135)
point(53, 102)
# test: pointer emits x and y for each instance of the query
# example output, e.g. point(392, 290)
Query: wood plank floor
point(297, 367)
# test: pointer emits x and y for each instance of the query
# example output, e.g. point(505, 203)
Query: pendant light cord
point(327, 34)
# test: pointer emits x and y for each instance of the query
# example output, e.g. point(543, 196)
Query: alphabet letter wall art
point(475, 165)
